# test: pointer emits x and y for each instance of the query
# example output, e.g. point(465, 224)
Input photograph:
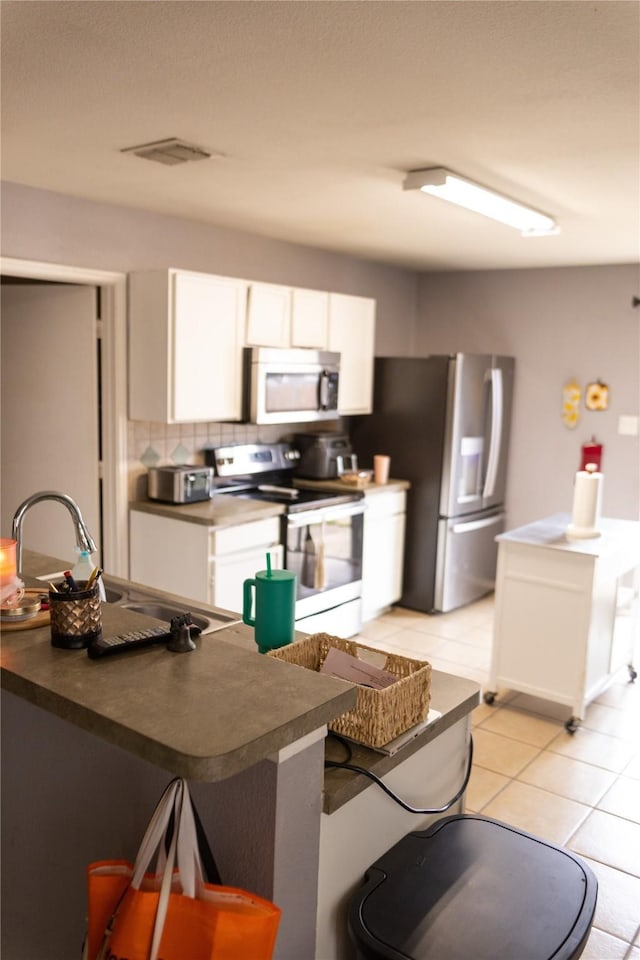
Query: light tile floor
point(581, 791)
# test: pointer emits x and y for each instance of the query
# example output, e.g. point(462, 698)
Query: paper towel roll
point(587, 497)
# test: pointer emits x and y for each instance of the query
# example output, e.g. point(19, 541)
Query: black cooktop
point(266, 472)
point(295, 499)
point(279, 489)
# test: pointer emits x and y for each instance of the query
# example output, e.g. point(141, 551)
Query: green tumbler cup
point(275, 605)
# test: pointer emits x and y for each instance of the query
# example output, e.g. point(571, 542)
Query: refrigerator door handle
point(477, 524)
point(496, 432)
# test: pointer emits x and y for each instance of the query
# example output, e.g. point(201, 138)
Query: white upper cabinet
point(286, 317)
point(352, 334)
point(186, 335)
point(268, 315)
point(187, 331)
point(310, 319)
point(314, 319)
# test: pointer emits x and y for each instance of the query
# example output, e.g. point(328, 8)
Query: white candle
point(587, 497)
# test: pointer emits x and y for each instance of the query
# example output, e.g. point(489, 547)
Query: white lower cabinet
point(201, 563)
point(383, 551)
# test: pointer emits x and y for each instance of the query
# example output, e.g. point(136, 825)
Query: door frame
point(113, 293)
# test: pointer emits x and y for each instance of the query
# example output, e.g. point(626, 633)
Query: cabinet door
point(169, 555)
point(185, 346)
point(383, 551)
point(229, 573)
point(351, 333)
point(268, 315)
point(208, 314)
point(309, 319)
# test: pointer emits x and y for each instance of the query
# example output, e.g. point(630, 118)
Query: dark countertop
point(453, 697)
point(205, 715)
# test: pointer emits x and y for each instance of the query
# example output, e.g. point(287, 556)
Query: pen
point(73, 586)
point(95, 573)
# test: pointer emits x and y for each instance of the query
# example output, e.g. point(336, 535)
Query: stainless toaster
point(181, 484)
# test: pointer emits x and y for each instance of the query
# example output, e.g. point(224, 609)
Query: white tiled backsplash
point(155, 444)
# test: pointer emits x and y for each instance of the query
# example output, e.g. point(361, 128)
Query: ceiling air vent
point(170, 151)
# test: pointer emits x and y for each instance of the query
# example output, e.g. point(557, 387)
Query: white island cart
point(566, 611)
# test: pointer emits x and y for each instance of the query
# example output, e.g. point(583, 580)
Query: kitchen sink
point(153, 603)
point(162, 611)
point(113, 596)
point(162, 606)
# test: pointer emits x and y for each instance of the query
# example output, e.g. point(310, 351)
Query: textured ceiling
point(320, 108)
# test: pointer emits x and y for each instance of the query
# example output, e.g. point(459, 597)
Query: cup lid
point(276, 574)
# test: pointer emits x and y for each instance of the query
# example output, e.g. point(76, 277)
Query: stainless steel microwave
point(290, 386)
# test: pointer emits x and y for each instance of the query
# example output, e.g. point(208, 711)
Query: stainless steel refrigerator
point(444, 421)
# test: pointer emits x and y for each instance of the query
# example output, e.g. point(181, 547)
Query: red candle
point(7, 561)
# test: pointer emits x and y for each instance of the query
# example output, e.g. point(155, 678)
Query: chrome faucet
point(84, 539)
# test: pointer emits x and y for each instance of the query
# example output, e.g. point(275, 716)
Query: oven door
point(323, 547)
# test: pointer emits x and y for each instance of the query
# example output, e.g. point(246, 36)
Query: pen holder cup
point(76, 617)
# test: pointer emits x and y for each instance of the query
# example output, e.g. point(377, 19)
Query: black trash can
point(472, 888)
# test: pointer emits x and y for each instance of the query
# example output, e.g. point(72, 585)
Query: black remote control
point(127, 641)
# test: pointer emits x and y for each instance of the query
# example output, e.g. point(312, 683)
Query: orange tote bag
point(172, 914)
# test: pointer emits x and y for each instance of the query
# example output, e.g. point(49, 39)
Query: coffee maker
point(323, 456)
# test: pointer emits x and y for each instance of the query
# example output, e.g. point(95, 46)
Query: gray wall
point(558, 323)
point(39, 225)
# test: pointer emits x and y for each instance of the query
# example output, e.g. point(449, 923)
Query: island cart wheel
point(572, 725)
point(633, 673)
point(490, 697)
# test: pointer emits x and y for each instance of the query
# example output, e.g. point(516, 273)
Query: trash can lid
point(471, 888)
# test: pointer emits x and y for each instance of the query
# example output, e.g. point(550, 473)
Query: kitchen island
point(88, 747)
point(566, 611)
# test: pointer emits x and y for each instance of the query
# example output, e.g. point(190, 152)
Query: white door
point(49, 410)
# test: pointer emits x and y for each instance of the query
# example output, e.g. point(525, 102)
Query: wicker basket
point(379, 715)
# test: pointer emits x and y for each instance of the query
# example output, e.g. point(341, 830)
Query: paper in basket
point(379, 715)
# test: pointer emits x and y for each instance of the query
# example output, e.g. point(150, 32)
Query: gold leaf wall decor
point(571, 404)
point(596, 396)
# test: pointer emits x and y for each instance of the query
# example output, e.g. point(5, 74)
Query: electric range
point(321, 531)
point(266, 471)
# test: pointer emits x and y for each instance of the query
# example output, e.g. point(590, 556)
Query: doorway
point(50, 409)
point(66, 348)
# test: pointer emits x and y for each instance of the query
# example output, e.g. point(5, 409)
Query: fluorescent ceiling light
point(450, 186)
